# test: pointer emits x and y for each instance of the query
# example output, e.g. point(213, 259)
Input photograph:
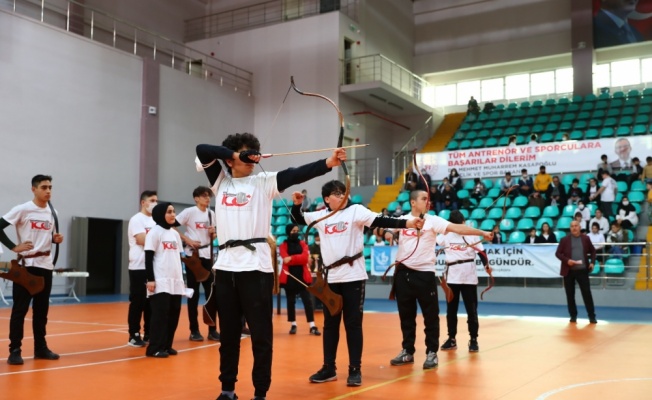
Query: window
point(517, 86)
point(564, 80)
point(542, 83)
point(467, 89)
point(601, 76)
point(626, 72)
point(646, 70)
point(445, 95)
point(493, 89)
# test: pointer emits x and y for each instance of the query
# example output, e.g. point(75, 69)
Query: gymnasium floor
point(526, 352)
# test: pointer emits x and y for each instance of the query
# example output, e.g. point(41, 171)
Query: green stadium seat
point(406, 206)
point(591, 134)
point(282, 211)
point(577, 98)
point(542, 220)
point(491, 142)
point(595, 123)
point(279, 230)
point(607, 132)
point(485, 202)
point(495, 213)
point(614, 112)
point(628, 111)
point(610, 122)
point(487, 224)
point(566, 126)
point(642, 119)
point(503, 202)
point(632, 102)
point(552, 127)
point(483, 134)
point(564, 223)
point(469, 184)
point(391, 207)
point(532, 212)
point(622, 186)
point(525, 224)
point(542, 119)
point(445, 214)
point(282, 220)
point(547, 137)
point(596, 268)
point(371, 240)
point(516, 237)
point(598, 114)
point(572, 108)
point(507, 225)
point(503, 123)
point(512, 106)
point(477, 143)
point(513, 213)
point(568, 211)
point(520, 201)
point(587, 107)
point(645, 110)
point(463, 194)
point(590, 97)
point(633, 93)
point(567, 179)
point(488, 183)
point(559, 235)
point(576, 135)
point(459, 135)
point(471, 135)
point(563, 100)
point(496, 133)
point(465, 144)
point(465, 213)
point(281, 239)
point(403, 196)
point(477, 125)
point(647, 91)
point(525, 104)
point(638, 186)
point(551, 211)
point(614, 266)
point(493, 193)
point(636, 197)
point(500, 106)
point(538, 128)
point(569, 117)
point(494, 115)
point(356, 199)
point(510, 131)
point(585, 177)
point(472, 223)
point(550, 102)
point(581, 125)
point(478, 213)
point(432, 212)
point(623, 131)
point(618, 95)
point(601, 105)
point(556, 118)
point(639, 130)
point(559, 136)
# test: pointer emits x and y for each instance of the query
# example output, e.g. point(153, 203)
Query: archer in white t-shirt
point(35, 224)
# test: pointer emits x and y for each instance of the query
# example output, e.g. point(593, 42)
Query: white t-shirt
point(34, 224)
point(244, 208)
point(455, 249)
point(609, 193)
point(139, 223)
point(166, 244)
point(423, 258)
point(603, 222)
point(197, 224)
point(596, 238)
point(342, 235)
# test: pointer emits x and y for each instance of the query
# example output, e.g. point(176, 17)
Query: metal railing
point(99, 26)
point(402, 160)
point(262, 14)
point(364, 171)
point(378, 68)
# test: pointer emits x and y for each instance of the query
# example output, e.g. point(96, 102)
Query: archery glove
point(244, 156)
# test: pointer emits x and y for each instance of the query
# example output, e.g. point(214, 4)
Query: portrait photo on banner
point(619, 22)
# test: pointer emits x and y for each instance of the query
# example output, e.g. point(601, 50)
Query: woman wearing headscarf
point(165, 284)
point(295, 255)
point(626, 214)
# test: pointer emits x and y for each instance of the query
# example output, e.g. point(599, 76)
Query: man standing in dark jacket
point(577, 256)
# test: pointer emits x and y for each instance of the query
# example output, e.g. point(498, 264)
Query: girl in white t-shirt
point(164, 280)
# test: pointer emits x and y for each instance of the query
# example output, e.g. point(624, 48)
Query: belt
point(246, 243)
point(344, 260)
point(460, 262)
point(37, 254)
point(204, 246)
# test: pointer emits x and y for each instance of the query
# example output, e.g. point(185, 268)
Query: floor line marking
point(576, 385)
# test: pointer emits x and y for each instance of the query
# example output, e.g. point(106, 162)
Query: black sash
point(344, 260)
point(246, 243)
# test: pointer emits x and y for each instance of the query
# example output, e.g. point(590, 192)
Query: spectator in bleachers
point(603, 223)
point(455, 179)
point(575, 193)
point(533, 140)
point(626, 214)
point(488, 108)
point(525, 183)
point(586, 214)
point(596, 237)
point(421, 185)
point(506, 183)
point(315, 257)
point(647, 170)
point(398, 212)
point(617, 235)
point(436, 202)
point(556, 193)
point(565, 137)
point(603, 166)
point(479, 189)
point(512, 141)
point(531, 237)
point(547, 235)
point(472, 107)
point(449, 198)
point(637, 170)
point(380, 241)
point(591, 191)
point(498, 238)
point(542, 181)
point(384, 212)
point(536, 200)
point(607, 194)
point(307, 202)
point(443, 184)
point(411, 180)
point(578, 218)
point(390, 238)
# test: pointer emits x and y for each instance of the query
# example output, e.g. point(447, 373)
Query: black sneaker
point(355, 377)
point(158, 354)
point(225, 397)
point(473, 345)
point(214, 336)
point(325, 374)
point(196, 337)
point(172, 352)
point(146, 338)
point(402, 358)
point(573, 320)
point(136, 341)
point(315, 331)
point(450, 344)
point(45, 354)
point(593, 321)
point(293, 330)
point(15, 358)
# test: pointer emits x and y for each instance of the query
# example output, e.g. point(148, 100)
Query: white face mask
point(625, 203)
point(150, 207)
point(581, 207)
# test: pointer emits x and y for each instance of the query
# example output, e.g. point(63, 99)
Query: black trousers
point(193, 303)
point(249, 295)
point(292, 289)
point(166, 309)
point(581, 276)
point(607, 209)
point(138, 302)
point(40, 307)
point(352, 310)
point(411, 287)
point(470, 297)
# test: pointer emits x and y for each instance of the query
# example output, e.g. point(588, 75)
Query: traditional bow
point(339, 144)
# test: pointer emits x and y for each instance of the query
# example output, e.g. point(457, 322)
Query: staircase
point(437, 143)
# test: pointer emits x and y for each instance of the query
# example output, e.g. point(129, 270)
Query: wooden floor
point(519, 358)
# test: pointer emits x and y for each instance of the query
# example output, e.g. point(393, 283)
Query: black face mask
point(294, 237)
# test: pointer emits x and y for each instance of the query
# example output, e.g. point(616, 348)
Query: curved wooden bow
point(339, 144)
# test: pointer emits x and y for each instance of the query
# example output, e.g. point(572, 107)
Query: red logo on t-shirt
point(201, 225)
point(337, 227)
point(40, 225)
point(235, 200)
point(147, 230)
point(409, 232)
point(458, 247)
point(170, 246)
